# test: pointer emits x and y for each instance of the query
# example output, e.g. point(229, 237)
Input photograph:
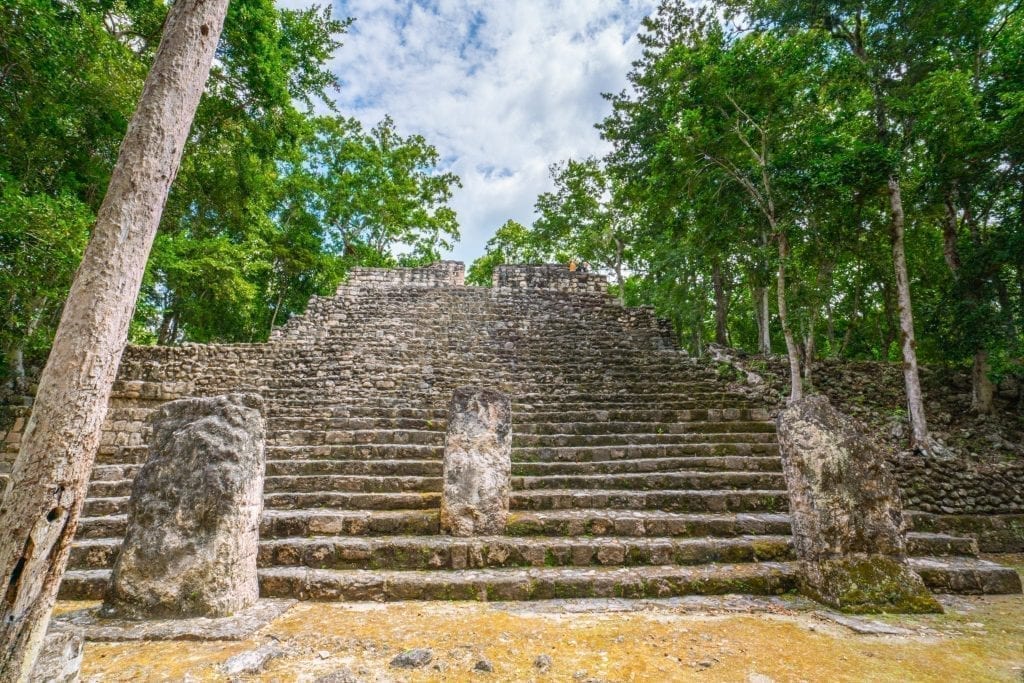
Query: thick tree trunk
point(721, 307)
point(40, 513)
point(796, 391)
point(919, 436)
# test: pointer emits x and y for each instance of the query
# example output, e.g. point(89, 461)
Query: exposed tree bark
point(810, 350)
point(854, 38)
point(39, 515)
point(919, 437)
point(15, 352)
point(982, 389)
point(950, 232)
point(721, 306)
point(620, 279)
point(796, 391)
point(762, 318)
point(277, 307)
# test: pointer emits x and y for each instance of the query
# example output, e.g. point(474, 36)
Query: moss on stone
point(871, 584)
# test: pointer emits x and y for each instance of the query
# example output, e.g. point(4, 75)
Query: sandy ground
point(727, 639)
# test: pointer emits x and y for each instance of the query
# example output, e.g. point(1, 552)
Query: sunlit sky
point(503, 89)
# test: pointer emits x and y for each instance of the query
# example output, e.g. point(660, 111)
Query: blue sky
point(503, 89)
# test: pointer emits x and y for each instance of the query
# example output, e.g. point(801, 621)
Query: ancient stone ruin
point(477, 470)
point(848, 528)
point(636, 471)
point(192, 523)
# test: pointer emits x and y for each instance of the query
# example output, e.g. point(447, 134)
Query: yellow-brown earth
point(978, 639)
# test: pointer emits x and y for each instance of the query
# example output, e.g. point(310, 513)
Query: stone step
point(104, 526)
point(102, 507)
point(352, 501)
point(644, 523)
point(317, 410)
point(331, 424)
point(923, 543)
point(286, 523)
point(653, 399)
point(650, 481)
point(443, 552)
point(342, 483)
point(317, 437)
point(638, 420)
point(966, 575)
point(941, 575)
point(358, 452)
point(417, 468)
point(669, 501)
point(765, 578)
point(312, 522)
point(641, 451)
point(595, 427)
point(735, 463)
point(717, 435)
point(591, 422)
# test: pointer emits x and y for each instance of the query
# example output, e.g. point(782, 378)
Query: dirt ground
point(724, 639)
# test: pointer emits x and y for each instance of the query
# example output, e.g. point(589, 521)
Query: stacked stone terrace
point(636, 471)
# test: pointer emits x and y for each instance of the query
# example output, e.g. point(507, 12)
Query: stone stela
point(586, 457)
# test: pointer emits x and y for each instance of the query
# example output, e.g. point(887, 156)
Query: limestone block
point(60, 659)
point(848, 528)
point(477, 463)
point(193, 518)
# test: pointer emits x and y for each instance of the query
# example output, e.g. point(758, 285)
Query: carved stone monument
point(477, 463)
point(194, 514)
point(847, 519)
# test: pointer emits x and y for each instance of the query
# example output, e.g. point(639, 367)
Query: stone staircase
point(636, 472)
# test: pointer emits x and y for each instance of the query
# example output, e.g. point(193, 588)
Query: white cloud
point(502, 89)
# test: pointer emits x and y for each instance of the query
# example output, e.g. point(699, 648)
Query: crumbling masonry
point(636, 472)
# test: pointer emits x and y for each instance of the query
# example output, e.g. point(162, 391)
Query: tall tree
point(40, 512)
point(512, 243)
point(587, 216)
point(888, 40)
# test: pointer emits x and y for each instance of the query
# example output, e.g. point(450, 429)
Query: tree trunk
point(16, 366)
point(851, 324)
point(796, 391)
point(39, 515)
point(920, 439)
point(810, 349)
point(15, 353)
point(982, 390)
point(762, 315)
point(721, 307)
point(277, 307)
point(981, 385)
point(619, 278)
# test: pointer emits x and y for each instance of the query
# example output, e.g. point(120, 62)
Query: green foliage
point(512, 243)
point(791, 123)
point(273, 203)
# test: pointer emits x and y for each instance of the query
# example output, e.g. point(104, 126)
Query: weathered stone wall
point(974, 484)
point(956, 487)
point(557, 277)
